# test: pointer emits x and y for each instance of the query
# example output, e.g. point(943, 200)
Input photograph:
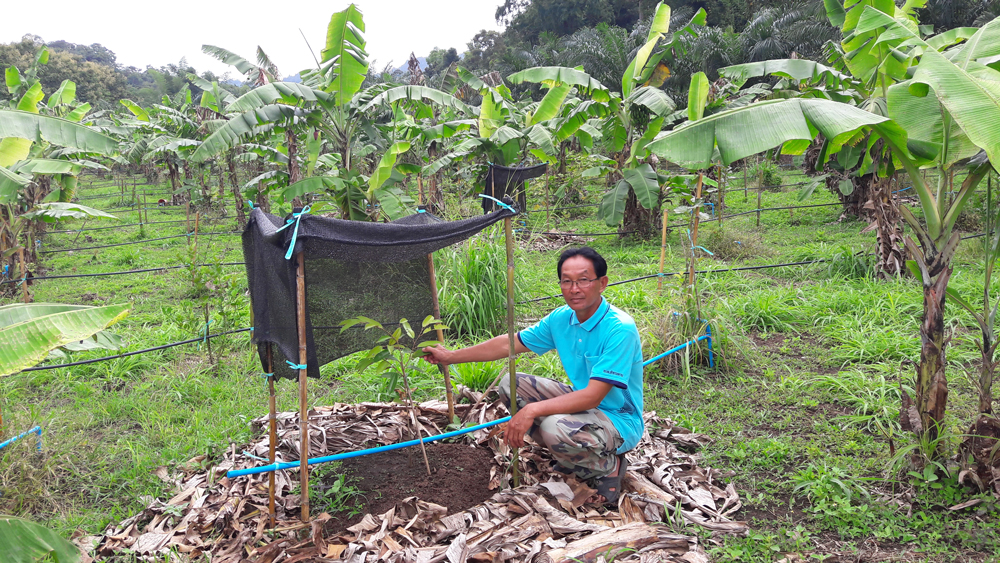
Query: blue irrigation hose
point(683, 346)
point(390, 447)
point(358, 453)
point(35, 430)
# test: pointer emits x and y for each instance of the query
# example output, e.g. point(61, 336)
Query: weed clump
point(735, 244)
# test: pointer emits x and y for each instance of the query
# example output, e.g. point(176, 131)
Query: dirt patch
point(460, 478)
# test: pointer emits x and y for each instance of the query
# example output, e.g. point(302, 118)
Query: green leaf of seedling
point(427, 343)
point(440, 326)
point(406, 326)
point(427, 320)
point(344, 325)
point(397, 334)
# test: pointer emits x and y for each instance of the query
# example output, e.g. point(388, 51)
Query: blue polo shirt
point(605, 347)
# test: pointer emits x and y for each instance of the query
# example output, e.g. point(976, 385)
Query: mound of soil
point(460, 478)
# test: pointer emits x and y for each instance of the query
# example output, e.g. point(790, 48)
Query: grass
point(801, 412)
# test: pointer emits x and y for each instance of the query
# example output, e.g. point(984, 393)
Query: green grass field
point(802, 409)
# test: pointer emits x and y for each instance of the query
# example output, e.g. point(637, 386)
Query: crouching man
point(589, 425)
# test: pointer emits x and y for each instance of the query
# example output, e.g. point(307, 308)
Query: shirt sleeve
point(538, 338)
point(614, 365)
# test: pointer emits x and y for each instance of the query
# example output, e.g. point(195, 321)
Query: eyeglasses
point(581, 283)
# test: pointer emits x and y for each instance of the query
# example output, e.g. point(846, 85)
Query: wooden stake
point(511, 362)
point(440, 336)
point(272, 420)
point(187, 215)
point(300, 317)
point(663, 251)
point(420, 190)
point(24, 275)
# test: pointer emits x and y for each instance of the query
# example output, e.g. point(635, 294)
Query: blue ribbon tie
point(296, 366)
point(498, 202)
point(296, 217)
point(204, 333)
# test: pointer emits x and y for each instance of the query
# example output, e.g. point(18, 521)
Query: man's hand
point(519, 426)
point(438, 354)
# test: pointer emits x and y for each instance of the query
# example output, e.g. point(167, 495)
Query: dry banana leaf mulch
point(546, 519)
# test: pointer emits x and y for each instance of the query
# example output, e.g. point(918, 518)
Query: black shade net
point(503, 181)
point(352, 268)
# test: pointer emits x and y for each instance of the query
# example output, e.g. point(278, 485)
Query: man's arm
point(576, 401)
point(493, 349)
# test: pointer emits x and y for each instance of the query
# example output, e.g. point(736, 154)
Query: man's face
point(583, 300)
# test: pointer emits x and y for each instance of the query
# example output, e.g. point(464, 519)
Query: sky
point(154, 33)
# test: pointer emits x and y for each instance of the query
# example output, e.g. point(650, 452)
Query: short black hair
point(600, 265)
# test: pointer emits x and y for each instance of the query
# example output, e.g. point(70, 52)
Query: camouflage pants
point(582, 443)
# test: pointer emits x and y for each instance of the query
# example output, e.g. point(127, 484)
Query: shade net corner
point(352, 268)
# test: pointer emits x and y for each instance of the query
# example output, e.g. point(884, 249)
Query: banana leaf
point(25, 343)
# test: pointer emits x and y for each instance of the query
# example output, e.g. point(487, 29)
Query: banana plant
point(29, 155)
point(870, 68)
point(633, 122)
point(29, 332)
point(956, 79)
point(26, 542)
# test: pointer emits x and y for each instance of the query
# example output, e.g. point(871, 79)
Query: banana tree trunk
point(294, 171)
point(435, 198)
point(932, 383)
point(187, 181)
point(638, 221)
point(884, 208)
point(222, 188)
point(175, 197)
point(241, 215)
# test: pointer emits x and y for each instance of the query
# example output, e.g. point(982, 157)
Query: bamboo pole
point(420, 190)
point(511, 362)
point(663, 251)
point(272, 421)
point(24, 275)
point(300, 317)
point(440, 336)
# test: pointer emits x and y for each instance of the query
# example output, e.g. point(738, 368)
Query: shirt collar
point(590, 323)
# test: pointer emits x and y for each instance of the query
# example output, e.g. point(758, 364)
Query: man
point(590, 425)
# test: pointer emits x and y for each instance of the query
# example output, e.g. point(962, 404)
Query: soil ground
point(460, 477)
